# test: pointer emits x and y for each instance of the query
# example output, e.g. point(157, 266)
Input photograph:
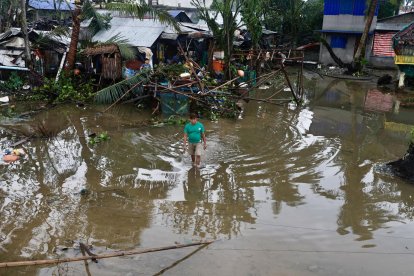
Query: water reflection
point(363, 210)
point(273, 163)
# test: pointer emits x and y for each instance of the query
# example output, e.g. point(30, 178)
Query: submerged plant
point(99, 138)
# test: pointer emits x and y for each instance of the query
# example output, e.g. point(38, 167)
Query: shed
point(47, 50)
point(109, 57)
point(403, 44)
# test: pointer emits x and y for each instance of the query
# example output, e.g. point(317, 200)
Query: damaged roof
point(138, 32)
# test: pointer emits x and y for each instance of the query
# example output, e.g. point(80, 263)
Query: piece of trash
point(292, 105)
point(84, 192)
point(287, 89)
point(4, 99)
point(264, 87)
point(11, 155)
point(26, 87)
point(185, 75)
point(331, 67)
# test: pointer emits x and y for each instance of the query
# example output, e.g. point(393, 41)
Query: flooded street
point(283, 191)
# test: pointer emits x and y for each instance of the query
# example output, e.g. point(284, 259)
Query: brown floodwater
point(282, 190)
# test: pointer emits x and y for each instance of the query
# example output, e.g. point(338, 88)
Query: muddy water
point(284, 191)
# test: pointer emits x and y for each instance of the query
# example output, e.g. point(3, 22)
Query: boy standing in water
point(194, 132)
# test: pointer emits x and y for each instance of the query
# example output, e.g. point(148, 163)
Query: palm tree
point(223, 35)
point(85, 10)
point(368, 22)
point(27, 55)
point(8, 11)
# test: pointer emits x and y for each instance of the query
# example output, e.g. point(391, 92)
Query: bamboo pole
point(102, 256)
point(129, 90)
point(224, 84)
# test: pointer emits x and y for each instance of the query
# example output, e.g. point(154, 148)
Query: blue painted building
point(343, 24)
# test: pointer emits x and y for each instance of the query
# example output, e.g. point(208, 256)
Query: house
point(154, 40)
point(379, 51)
point(403, 44)
point(51, 9)
point(343, 24)
point(47, 51)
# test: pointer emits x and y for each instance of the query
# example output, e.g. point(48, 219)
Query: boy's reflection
point(194, 189)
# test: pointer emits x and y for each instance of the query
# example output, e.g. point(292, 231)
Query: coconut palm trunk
point(73, 47)
point(27, 55)
point(368, 22)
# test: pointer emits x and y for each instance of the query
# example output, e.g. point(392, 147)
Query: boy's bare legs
point(193, 159)
point(198, 159)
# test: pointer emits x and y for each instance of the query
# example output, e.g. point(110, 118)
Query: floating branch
point(102, 256)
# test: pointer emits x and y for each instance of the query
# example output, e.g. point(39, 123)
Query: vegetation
point(9, 14)
point(95, 139)
point(296, 19)
point(252, 12)
point(66, 89)
point(14, 83)
point(228, 11)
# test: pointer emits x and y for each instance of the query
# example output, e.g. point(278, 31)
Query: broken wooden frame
point(277, 59)
point(205, 95)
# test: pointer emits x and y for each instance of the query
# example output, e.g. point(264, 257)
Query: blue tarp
point(61, 5)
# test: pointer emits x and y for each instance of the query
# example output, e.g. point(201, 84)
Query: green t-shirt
point(194, 132)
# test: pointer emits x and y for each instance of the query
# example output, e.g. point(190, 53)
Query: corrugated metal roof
point(61, 5)
point(10, 32)
point(138, 32)
point(390, 27)
point(174, 13)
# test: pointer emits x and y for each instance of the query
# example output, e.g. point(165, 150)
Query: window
point(338, 41)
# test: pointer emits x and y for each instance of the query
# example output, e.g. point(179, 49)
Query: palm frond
point(98, 21)
point(112, 93)
point(141, 10)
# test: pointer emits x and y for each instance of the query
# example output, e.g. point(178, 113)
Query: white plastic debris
point(4, 99)
point(292, 105)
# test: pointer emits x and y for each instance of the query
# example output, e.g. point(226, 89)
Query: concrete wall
point(346, 22)
point(345, 54)
point(382, 62)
